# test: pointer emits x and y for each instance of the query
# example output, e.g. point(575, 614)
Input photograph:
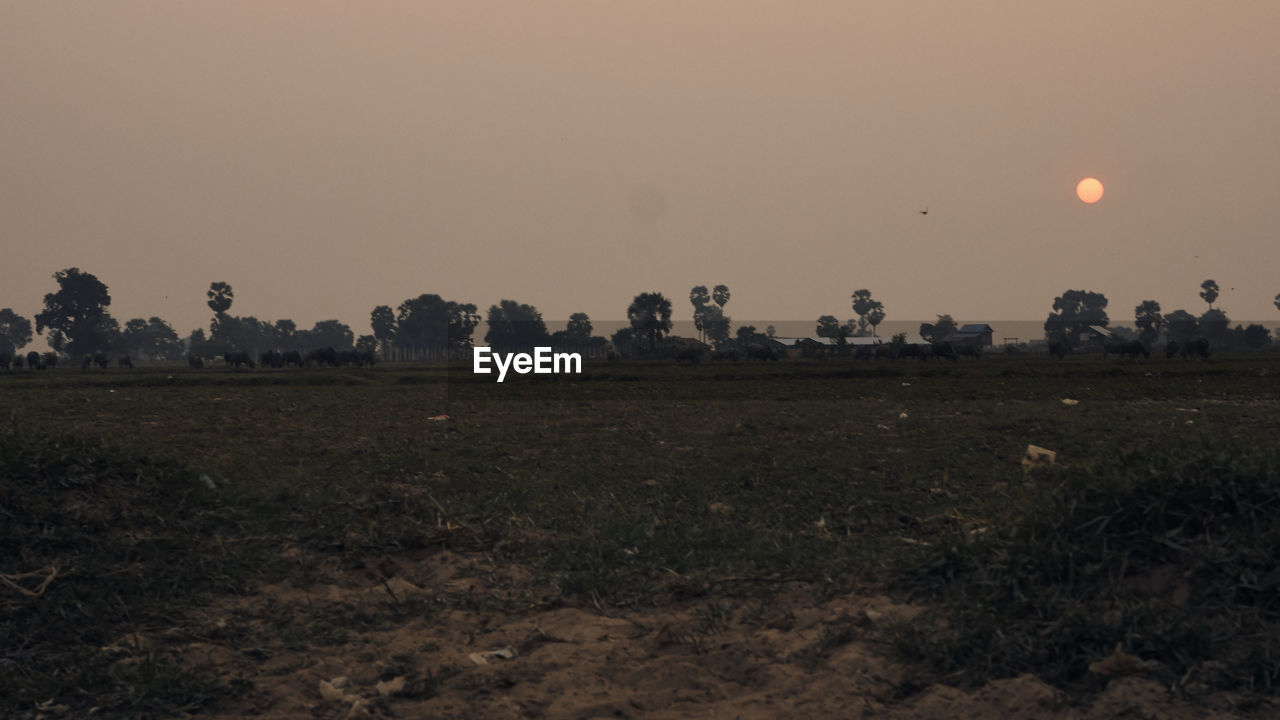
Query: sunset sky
point(327, 157)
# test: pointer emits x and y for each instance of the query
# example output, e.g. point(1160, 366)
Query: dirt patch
point(440, 637)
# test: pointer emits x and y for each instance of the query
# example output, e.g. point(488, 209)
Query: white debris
point(1069, 402)
point(1036, 456)
point(482, 658)
point(902, 416)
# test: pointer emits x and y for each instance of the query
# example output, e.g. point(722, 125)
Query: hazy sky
point(327, 157)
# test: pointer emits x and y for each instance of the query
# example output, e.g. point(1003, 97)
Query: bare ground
point(787, 655)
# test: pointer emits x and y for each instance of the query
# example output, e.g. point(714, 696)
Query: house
point(977, 334)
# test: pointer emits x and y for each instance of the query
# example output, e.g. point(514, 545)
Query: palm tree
point(650, 313)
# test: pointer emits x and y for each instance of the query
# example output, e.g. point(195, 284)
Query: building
point(978, 334)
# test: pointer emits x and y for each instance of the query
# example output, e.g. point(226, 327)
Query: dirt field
point(731, 540)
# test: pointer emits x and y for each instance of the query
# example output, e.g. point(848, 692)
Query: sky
point(327, 157)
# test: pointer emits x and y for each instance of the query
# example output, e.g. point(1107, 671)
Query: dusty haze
point(324, 158)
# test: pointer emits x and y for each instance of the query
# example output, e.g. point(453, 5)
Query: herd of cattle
point(271, 358)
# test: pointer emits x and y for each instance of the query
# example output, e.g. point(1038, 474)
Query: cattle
point(195, 362)
point(50, 359)
point(271, 358)
point(1198, 347)
point(236, 358)
point(969, 349)
point(102, 360)
point(293, 357)
point(757, 351)
point(349, 357)
point(1126, 349)
point(909, 350)
point(368, 357)
point(693, 356)
point(322, 356)
point(1171, 349)
point(17, 362)
point(33, 361)
point(125, 361)
point(943, 350)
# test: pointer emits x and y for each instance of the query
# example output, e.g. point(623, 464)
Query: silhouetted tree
point(330, 333)
point(578, 327)
point(626, 341)
point(1278, 301)
point(76, 315)
point(153, 339)
point(875, 316)
point(1074, 312)
point(200, 346)
point(1148, 320)
point(1214, 324)
point(383, 322)
point(367, 344)
point(1209, 292)
point(431, 322)
point(939, 331)
point(1180, 326)
point(715, 325)
point(1256, 336)
point(515, 327)
point(868, 309)
point(828, 326)
point(699, 298)
point(220, 297)
point(284, 333)
point(720, 294)
point(650, 314)
point(15, 331)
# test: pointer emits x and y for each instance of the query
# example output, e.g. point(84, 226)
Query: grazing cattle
point(271, 358)
point(33, 361)
point(1059, 349)
point(690, 355)
point(368, 357)
point(349, 357)
point(761, 352)
point(125, 362)
point(969, 349)
point(944, 350)
point(50, 359)
point(236, 358)
point(1198, 347)
point(1126, 349)
point(17, 362)
point(195, 362)
point(293, 357)
point(1171, 349)
point(909, 350)
point(323, 356)
point(102, 360)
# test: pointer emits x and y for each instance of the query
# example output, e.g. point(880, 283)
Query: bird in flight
point(924, 211)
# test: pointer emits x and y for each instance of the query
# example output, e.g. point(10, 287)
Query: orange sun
point(1089, 190)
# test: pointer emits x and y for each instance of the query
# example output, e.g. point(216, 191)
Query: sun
point(1089, 190)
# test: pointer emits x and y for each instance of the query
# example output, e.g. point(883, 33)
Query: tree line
point(77, 322)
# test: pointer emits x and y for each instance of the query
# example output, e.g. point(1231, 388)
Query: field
point(728, 540)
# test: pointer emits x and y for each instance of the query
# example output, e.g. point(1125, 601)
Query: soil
point(789, 656)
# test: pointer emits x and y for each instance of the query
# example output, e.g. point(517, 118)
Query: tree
point(76, 315)
point(715, 325)
point(1209, 292)
point(15, 331)
point(285, 330)
point(578, 327)
point(199, 346)
point(1214, 325)
point(870, 311)
point(1074, 311)
point(152, 339)
point(720, 294)
point(332, 333)
point(875, 316)
point(1278, 301)
point(1180, 326)
point(828, 327)
point(939, 331)
point(515, 327)
point(220, 297)
point(367, 344)
point(433, 323)
point(650, 314)
point(1257, 336)
point(1149, 321)
point(383, 322)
